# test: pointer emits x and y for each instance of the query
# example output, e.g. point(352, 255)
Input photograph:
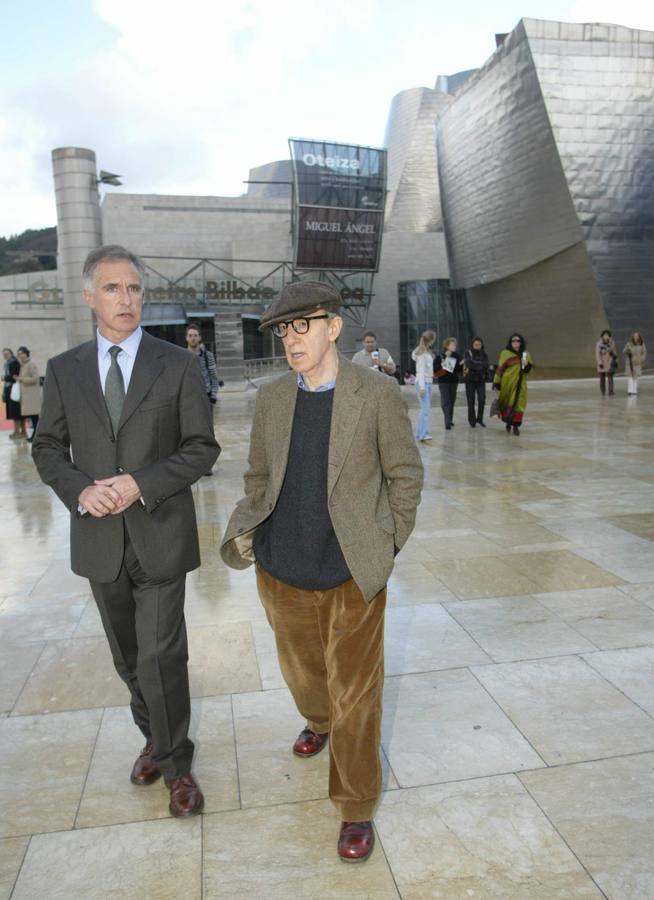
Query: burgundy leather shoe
point(145, 771)
point(185, 796)
point(308, 743)
point(356, 841)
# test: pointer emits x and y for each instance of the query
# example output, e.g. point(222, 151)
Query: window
point(431, 304)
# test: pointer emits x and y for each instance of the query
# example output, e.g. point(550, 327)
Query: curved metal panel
point(413, 202)
point(549, 145)
point(506, 205)
point(597, 83)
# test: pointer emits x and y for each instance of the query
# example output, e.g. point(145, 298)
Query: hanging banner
point(337, 238)
point(340, 194)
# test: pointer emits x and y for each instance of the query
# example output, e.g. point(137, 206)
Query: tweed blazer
point(164, 440)
point(374, 472)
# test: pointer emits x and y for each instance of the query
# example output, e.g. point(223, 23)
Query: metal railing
point(259, 368)
point(275, 365)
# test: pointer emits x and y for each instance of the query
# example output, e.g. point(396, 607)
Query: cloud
point(185, 98)
point(181, 100)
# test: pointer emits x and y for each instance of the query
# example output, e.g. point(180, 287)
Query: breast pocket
point(154, 405)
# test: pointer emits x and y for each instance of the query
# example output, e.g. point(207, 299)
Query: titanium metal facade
point(546, 167)
point(413, 247)
point(413, 202)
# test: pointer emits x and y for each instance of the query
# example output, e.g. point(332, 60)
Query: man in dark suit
point(125, 430)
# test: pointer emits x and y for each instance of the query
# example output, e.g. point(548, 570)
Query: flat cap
point(299, 298)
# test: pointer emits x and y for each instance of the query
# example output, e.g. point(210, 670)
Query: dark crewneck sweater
point(297, 543)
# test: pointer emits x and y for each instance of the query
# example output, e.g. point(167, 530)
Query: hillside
point(32, 251)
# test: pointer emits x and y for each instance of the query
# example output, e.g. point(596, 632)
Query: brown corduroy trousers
point(331, 652)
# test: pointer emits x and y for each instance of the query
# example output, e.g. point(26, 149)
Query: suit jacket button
point(241, 530)
point(120, 470)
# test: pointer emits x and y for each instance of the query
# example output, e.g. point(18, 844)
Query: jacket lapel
point(148, 366)
point(346, 413)
point(281, 427)
point(89, 381)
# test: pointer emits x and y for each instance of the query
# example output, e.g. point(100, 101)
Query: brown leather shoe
point(145, 771)
point(308, 743)
point(356, 841)
point(185, 796)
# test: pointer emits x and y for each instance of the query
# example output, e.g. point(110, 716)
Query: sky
point(184, 98)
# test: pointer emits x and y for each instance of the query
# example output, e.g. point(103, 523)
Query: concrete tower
point(79, 230)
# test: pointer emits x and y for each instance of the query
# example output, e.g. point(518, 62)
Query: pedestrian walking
point(475, 376)
point(374, 357)
point(510, 379)
point(125, 431)
point(448, 365)
point(331, 491)
point(12, 406)
point(424, 360)
point(206, 360)
point(30, 390)
point(635, 353)
point(606, 359)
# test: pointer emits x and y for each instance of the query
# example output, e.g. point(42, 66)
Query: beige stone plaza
point(518, 737)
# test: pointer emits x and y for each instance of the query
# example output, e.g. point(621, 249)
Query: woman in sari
point(511, 381)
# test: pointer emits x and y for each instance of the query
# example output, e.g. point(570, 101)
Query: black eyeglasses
point(300, 326)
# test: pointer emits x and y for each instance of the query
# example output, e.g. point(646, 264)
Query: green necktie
point(114, 389)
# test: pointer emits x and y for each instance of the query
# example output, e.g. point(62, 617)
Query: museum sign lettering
point(217, 291)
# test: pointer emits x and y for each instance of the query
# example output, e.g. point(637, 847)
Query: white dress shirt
point(126, 357)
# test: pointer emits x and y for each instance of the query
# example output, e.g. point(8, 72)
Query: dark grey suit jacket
point(164, 440)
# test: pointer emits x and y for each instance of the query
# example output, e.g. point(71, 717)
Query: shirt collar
point(328, 386)
point(130, 345)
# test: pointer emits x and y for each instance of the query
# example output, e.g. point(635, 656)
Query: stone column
point(79, 230)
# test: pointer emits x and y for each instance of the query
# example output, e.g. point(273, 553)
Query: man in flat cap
point(331, 491)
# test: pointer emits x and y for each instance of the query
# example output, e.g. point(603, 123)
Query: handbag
point(495, 408)
point(14, 393)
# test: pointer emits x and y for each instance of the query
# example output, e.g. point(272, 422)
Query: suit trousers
point(331, 652)
point(143, 619)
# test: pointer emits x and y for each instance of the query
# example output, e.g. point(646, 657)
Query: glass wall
point(256, 344)
point(175, 331)
point(434, 305)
